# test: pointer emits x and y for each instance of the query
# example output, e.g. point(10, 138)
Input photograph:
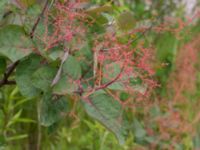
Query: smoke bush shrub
point(75, 52)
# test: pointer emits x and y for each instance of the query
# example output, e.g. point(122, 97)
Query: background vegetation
point(166, 117)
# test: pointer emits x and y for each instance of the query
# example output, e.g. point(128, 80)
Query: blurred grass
point(157, 123)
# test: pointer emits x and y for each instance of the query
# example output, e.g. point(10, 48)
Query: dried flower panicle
point(114, 62)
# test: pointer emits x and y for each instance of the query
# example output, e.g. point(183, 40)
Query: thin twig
point(38, 19)
point(109, 83)
point(7, 74)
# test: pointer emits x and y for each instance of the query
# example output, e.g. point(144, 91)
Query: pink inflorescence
point(114, 61)
point(131, 63)
point(65, 24)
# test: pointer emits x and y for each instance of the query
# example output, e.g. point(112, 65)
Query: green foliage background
point(26, 122)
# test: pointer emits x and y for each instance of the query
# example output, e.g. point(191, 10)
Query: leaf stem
point(38, 19)
point(7, 74)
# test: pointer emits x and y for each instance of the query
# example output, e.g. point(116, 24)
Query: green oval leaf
point(126, 21)
point(52, 109)
point(24, 72)
point(14, 44)
point(65, 86)
point(107, 111)
point(72, 68)
point(43, 77)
